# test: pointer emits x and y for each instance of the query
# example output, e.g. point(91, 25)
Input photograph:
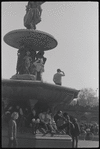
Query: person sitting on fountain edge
point(57, 77)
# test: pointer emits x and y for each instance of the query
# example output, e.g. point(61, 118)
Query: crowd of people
point(89, 130)
point(43, 122)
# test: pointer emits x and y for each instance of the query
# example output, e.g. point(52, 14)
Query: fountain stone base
point(23, 77)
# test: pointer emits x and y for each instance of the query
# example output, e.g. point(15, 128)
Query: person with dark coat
point(76, 133)
point(12, 130)
point(35, 122)
point(58, 119)
point(57, 116)
point(73, 129)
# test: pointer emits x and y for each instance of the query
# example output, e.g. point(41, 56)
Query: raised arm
point(63, 74)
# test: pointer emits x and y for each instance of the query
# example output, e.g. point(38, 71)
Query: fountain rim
point(30, 31)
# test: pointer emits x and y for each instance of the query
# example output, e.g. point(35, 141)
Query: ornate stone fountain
point(26, 87)
point(27, 83)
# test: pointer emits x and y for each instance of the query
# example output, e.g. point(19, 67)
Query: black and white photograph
point(50, 74)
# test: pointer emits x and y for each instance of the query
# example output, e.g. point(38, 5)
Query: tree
point(87, 97)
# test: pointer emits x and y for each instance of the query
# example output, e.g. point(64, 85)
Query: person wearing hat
point(58, 76)
point(12, 130)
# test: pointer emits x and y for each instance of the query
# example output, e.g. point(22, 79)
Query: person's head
point(38, 120)
point(60, 113)
point(88, 130)
point(58, 70)
point(74, 120)
point(68, 118)
point(48, 110)
point(7, 112)
point(28, 52)
point(65, 114)
point(14, 115)
point(33, 120)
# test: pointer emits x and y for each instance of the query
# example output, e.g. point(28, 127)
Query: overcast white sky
point(75, 27)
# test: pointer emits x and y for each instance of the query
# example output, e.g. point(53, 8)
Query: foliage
point(87, 97)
